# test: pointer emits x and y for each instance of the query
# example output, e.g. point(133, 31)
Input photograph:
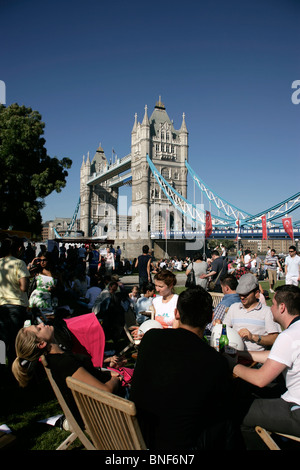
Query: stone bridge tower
point(168, 150)
point(98, 203)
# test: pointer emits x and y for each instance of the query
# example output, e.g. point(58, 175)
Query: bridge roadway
point(112, 171)
point(274, 233)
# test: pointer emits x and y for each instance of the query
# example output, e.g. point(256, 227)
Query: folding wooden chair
point(269, 441)
point(110, 420)
point(75, 429)
point(130, 320)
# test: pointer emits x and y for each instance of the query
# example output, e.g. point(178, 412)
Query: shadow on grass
point(21, 409)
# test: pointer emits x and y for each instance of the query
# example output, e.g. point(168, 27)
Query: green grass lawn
point(21, 410)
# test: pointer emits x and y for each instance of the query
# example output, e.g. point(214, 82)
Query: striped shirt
point(259, 321)
point(273, 260)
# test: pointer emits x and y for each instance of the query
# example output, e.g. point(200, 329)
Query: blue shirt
point(223, 306)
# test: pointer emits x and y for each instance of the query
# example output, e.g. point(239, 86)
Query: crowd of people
point(175, 363)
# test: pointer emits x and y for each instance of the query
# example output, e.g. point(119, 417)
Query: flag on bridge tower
point(288, 226)
point(208, 224)
point(237, 223)
point(264, 228)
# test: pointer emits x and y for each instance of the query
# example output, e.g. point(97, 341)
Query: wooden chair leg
point(266, 437)
point(67, 442)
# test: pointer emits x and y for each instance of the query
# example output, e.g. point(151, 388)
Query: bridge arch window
point(165, 173)
point(172, 220)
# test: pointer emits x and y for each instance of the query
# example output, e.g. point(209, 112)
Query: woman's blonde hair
point(27, 353)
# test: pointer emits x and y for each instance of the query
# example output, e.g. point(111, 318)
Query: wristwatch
point(259, 339)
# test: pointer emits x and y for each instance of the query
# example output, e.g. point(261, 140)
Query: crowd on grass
point(175, 357)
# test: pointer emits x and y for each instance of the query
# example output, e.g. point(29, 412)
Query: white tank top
point(165, 312)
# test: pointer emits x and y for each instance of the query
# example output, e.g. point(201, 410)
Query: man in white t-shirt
point(292, 267)
point(278, 414)
point(247, 258)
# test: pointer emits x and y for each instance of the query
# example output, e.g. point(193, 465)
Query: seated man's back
point(180, 386)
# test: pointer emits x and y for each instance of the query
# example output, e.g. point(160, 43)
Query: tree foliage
point(229, 244)
point(27, 173)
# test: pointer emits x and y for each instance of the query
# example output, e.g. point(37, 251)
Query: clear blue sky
point(89, 66)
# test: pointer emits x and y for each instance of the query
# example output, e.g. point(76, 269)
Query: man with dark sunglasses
point(253, 320)
point(292, 267)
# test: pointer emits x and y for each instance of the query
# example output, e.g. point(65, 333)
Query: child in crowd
point(144, 303)
point(134, 295)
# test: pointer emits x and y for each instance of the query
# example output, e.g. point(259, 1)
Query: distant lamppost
point(237, 245)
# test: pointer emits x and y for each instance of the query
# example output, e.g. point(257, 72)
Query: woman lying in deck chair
point(35, 340)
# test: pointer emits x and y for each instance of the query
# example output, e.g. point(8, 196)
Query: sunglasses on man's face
point(247, 295)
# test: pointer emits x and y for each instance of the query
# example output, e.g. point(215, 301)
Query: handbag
point(126, 373)
point(212, 284)
point(191, 279)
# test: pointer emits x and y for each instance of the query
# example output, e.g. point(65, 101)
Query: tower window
point(165, 173)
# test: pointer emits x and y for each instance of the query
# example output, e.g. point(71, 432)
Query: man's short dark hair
point(145, 249)
point(290, 296)
point(292, 247)
point(229, 280)
point(11, 246)
point(147, 286)
point(195, 307)
point(112, 283)
point(215, 252)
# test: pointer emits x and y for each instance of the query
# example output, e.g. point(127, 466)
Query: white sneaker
point(66, 426)
point(272, 291)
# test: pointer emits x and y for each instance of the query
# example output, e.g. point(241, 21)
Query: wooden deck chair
point(75, 429)
point(130, 320)
point(110, 420)
point(269, 441)
point(217, 297)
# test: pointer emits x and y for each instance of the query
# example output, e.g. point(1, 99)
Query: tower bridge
point(157, 170)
